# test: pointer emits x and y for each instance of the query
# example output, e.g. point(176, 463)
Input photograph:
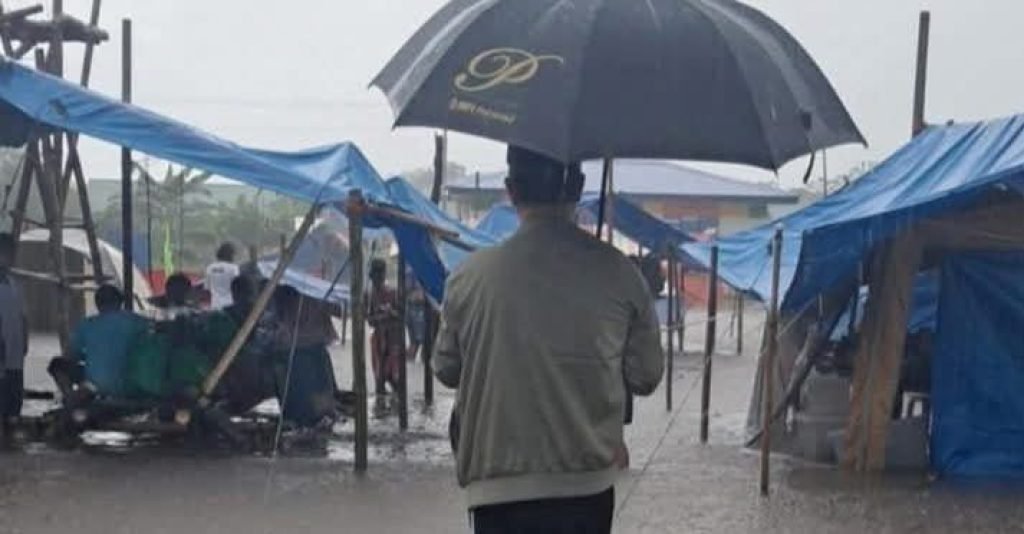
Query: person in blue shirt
point(97, 362)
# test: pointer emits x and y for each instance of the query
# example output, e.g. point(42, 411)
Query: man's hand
point(622, 457)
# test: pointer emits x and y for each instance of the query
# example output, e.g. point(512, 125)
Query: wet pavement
point(675, 483)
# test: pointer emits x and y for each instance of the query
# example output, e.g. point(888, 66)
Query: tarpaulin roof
point(653, 178)
point(431, 259)
point(324, 174)
point(629, 219)
point(943, 168)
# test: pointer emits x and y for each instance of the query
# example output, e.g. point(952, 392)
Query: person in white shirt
point(219, 275)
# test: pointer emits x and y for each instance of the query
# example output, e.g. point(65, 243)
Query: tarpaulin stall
point(952, 191)
point(335, 176)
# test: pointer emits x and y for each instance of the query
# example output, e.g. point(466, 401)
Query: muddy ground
point(675, 484)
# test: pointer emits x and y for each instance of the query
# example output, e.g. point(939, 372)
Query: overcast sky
point(294, 74)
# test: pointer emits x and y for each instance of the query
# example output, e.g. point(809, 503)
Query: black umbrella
point(711, 80)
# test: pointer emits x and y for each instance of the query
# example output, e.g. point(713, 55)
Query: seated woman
point(97, 363)
point(305, 374)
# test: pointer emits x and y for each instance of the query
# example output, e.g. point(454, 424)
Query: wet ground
point(674, 485)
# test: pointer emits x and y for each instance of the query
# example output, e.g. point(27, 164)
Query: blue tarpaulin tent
point(950, 201)
point(325, 174)
point(432, 258)
point(943, 168)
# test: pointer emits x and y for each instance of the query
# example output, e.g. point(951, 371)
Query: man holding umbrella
point(538, 334)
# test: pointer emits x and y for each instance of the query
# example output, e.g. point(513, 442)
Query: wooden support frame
point(772, 345)
point(709, 346)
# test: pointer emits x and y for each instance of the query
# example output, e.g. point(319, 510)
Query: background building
point(699, 202)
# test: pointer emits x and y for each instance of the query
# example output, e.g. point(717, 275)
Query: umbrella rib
point(570, 149)
point(698, 7)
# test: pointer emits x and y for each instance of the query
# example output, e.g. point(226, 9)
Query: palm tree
point(181, 195)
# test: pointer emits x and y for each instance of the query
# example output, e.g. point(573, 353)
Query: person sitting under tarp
point(305, 375)
point(97, 364)
point(169, 363)
point(175, 301)
point(249, 380)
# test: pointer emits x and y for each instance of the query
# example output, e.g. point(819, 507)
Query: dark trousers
point(12, 391)
point(577, 515)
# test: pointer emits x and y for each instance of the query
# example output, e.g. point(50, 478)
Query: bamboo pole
point(681, 306)
point(431, 316)
point(403, 372)
point(127, 222)
point(769, 363)
point(258, 307)
point(921, 75)
point(354, 211)
point(709, 346)
point(740, 301)
point(672, 314)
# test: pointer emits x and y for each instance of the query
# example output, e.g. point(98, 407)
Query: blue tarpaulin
point(943, 168)
point(326, 173)
point(978, 367)
point(431, 258)
point(923, 307)
point(629, 219)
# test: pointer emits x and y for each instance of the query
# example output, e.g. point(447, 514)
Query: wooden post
point(127, 223)
point(709, 346)
point(772, 331)
point(739, 322)
point(354, 211)
point(672, 316)
point(403, 378)
point(681, 299)
point(431, 317)
point(921, 78)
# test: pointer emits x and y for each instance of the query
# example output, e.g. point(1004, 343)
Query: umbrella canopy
point(710, 80)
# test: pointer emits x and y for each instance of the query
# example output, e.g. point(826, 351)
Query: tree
point(181, 196)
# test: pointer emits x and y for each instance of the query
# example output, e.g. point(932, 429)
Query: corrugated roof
point(654, 178)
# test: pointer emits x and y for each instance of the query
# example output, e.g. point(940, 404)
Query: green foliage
point(182, 202)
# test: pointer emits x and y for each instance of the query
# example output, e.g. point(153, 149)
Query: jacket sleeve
point(447, 355)
point(643, 360)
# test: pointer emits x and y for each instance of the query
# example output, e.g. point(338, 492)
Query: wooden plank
point(28, 170)
point(46, 181)
point(772, 345)
point(88, 225)
point(879, 353)
point(354, 211)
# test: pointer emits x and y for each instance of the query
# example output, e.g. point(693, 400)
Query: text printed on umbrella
point(501, 66)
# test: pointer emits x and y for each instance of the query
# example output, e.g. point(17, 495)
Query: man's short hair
point(107, 297)
point(537, 179)
point(226, 252)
